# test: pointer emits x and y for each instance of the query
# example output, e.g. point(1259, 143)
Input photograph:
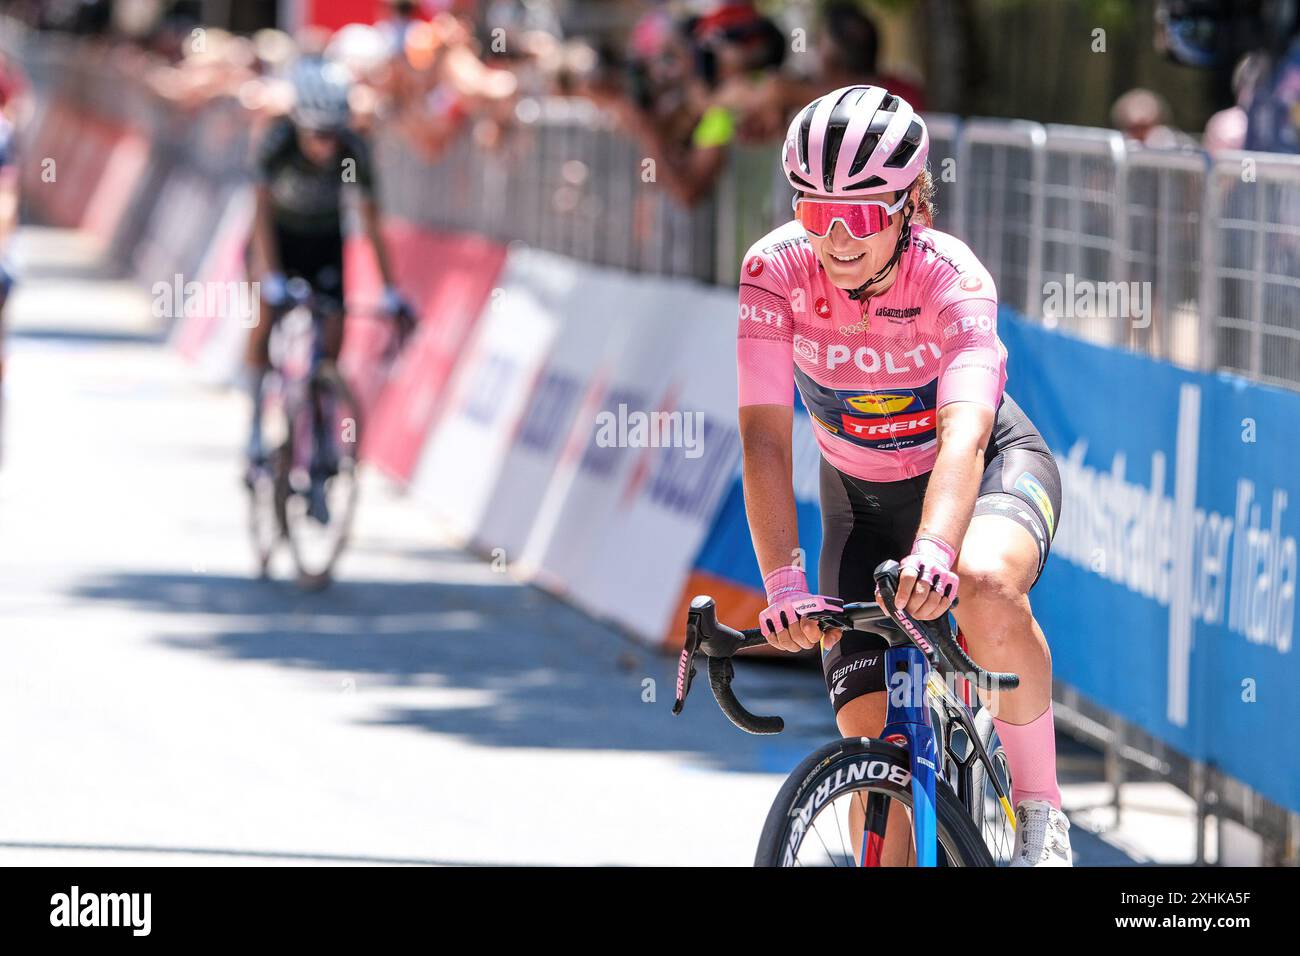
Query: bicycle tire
point(266, 513)
point(798, 801)
point(988, 736)
point(313, 575)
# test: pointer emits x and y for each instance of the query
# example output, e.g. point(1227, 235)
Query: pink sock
point(1031, 754)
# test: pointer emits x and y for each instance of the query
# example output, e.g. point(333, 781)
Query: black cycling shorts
point(865, 523)
point(316, 257)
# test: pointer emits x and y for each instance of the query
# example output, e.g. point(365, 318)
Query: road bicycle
point(304, 492)
point(937, 759)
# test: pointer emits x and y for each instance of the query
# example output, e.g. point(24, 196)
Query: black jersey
point(306, 198)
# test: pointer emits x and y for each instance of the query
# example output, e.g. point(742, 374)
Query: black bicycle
point(936, 758)
point(304, 492)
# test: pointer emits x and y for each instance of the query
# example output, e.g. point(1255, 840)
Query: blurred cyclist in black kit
point(303, 165)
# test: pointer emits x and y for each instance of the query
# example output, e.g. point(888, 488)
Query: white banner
point(486, 465)
point(679, 457)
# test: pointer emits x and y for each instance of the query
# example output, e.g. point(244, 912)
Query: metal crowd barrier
point(1000, 170)
point(563, 180)
point(1250, 289)
point(1163, 202)
point(1082, 231)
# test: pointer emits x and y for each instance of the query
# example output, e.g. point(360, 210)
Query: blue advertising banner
point(1170, 594)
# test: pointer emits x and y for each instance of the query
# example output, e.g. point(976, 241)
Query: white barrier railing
point(1082, 234)
point(1250, 261)
point(1000, 166)
point(1165, 191)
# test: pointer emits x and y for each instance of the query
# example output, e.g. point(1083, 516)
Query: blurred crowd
point(687, 80)
point(425, 74)
point(688, 84)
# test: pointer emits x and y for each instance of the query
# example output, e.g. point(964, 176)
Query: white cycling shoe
point(1042, 835)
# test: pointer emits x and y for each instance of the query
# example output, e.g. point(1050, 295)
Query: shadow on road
point(551, 676)
point(548, 676)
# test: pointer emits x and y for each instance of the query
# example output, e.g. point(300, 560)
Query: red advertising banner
point(448, 279)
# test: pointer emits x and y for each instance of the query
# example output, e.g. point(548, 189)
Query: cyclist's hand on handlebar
point(927, 585)
point(396, 306)
point(786, 621)
point(273, 290)
point(800, 633)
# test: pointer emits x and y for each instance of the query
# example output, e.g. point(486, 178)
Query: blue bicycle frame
point(910, 719)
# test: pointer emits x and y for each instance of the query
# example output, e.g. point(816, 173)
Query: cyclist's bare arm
point(370, 223)
point(264, 259)
point(767, 470)
point(265, 253)
point(964, 429)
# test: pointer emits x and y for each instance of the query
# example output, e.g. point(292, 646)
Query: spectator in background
point(213, 63)
point(1143, 115)
point(1227, 128)
point(704, 89)
point(393, 29)
point(718, 80)
point(848, 51)
point(1263, 39)
point(1272, 100)
point(440, 84)
point(275, 51)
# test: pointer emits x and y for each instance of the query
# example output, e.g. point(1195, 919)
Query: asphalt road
point(160, 704)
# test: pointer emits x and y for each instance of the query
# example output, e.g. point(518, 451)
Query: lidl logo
point(880, 403)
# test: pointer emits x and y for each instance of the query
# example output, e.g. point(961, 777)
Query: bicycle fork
point(907, 722)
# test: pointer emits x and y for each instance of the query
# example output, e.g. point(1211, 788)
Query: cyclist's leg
point(325, 272)
point(324, 269)
point(257, 361)
point(1001, 558)
point(862, 525)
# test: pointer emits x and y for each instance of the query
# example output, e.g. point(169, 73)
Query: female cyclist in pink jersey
point(888, 328)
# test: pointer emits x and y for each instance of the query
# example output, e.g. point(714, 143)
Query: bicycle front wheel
point(817, 818)
point(994, 818)
point(325, 432)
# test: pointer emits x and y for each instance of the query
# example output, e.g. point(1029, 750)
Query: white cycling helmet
point(858, 139)
point(321, 91)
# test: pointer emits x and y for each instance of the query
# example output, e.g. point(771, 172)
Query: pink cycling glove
point(789, 600)
point(933, 560)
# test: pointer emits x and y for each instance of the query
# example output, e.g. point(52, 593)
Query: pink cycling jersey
point(872, 374)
